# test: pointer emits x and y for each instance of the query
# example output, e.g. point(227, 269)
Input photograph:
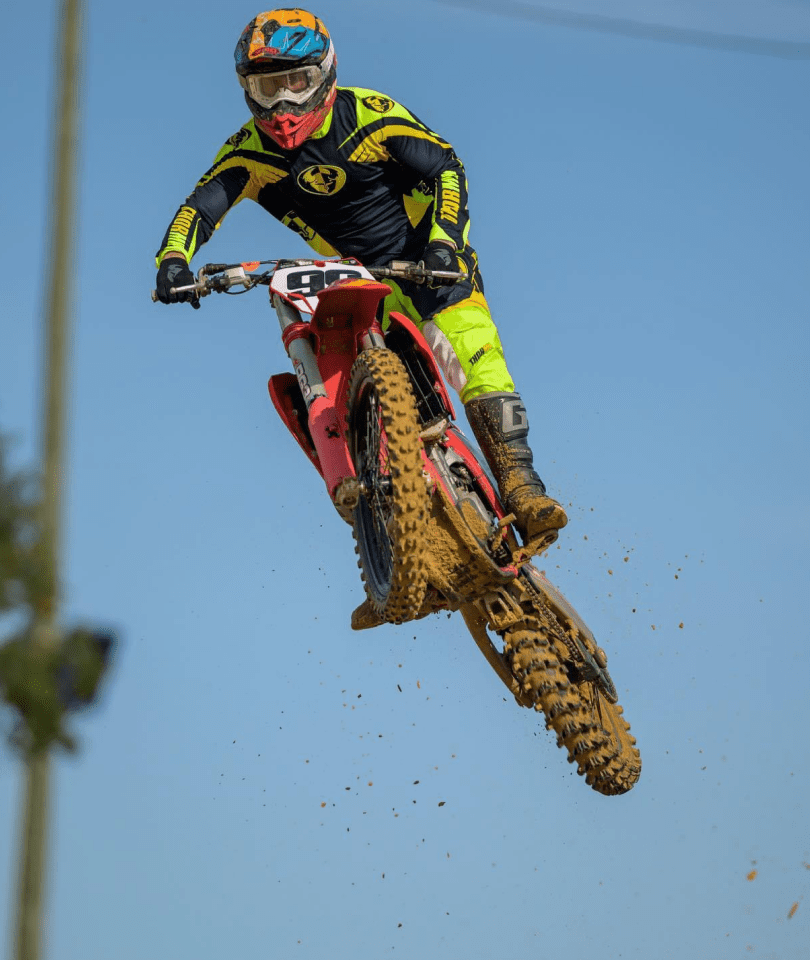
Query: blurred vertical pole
point(63, 220)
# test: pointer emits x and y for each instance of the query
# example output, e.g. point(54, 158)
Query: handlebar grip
point(416, 272)
point(194, 303)
point(155, 297)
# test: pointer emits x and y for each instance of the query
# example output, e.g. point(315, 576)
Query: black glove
point(174, 272)
point(438, 256)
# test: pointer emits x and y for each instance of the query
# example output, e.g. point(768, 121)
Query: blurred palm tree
point(44, 672)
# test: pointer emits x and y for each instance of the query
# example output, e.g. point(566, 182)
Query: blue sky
point(249, 786)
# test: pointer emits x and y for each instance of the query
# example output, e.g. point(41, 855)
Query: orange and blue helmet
point(285, 61)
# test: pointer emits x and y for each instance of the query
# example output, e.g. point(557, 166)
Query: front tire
point(390, 520)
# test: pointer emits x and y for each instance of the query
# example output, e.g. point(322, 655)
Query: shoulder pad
point(239, 137)
point(375, 103)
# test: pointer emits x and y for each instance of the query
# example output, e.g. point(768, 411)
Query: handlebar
point(220, 277)
point(216, 277)
point(415, 272)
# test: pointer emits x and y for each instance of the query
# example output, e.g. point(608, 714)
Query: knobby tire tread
point(400, 599)
point(593, 731)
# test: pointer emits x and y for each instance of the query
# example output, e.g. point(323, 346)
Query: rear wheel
point(391, 516)
point(589, 727)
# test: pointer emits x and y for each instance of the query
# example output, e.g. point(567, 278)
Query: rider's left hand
point(439, 255)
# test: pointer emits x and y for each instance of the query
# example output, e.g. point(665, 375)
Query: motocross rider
point(358, 175)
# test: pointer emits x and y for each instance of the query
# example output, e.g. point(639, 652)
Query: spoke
point(377, 480)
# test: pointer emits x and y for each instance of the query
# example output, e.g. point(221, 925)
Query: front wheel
point(390, 520)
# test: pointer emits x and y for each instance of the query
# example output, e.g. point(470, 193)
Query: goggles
point(295, 86)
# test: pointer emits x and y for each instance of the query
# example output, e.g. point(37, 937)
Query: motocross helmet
point(285, 62)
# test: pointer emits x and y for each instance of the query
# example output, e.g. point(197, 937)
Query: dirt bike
point(371, 412)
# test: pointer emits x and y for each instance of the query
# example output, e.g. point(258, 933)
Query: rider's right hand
point(173, 272)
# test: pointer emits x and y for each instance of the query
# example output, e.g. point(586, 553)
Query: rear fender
point(291, 407)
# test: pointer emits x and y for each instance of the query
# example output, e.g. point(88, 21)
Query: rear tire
point(591, 729)
point(390, 520)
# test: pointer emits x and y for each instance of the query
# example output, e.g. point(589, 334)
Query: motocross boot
point(501, 426)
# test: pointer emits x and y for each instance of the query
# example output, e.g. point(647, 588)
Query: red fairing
point(284, 390)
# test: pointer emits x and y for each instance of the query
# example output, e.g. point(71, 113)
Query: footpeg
point(534, 547)
point(497, 538)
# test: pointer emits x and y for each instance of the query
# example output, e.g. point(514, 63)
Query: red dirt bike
point(370, 410)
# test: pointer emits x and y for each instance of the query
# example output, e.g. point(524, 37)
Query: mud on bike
point(370, 410)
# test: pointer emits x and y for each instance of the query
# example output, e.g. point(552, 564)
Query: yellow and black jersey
point(373, 182)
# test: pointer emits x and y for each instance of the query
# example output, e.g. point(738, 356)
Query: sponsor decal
point(298, 226)
point(238, 138)
point(322, 179)
point(451, 204)
point(480, 353)
point(515, 420)
point(378, 104)
point(186, 219)
point(303, 382)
